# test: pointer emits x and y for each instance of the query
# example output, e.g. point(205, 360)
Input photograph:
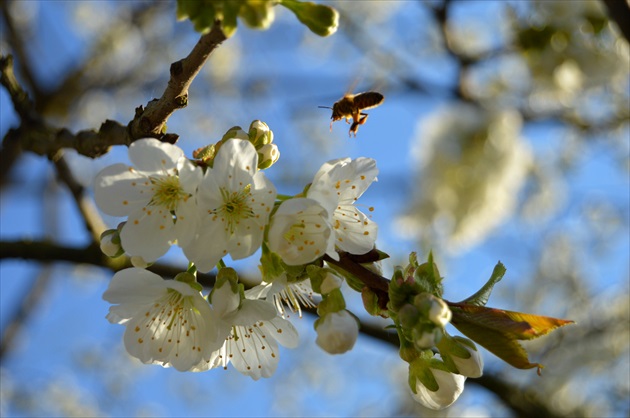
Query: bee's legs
point(354, 129)
point(362, 120)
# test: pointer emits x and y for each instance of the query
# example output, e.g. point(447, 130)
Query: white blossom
point(299, 231)
point(439, 312)
point(337, 332)
point(251, 330)
point(471, 366)
point(337, 186)
point(235, 200)
point(450, 387)
point(156, 195)
point(167, 322)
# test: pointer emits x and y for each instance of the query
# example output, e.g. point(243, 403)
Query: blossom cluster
point(221, 203)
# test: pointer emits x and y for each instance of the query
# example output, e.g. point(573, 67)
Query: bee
point(351, 106)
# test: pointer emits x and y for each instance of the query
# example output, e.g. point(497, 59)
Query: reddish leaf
point(498, 330)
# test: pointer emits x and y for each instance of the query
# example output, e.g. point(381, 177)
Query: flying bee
point(351, 106)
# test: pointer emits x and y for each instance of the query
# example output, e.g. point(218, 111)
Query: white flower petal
point(151, 155)
point(450, 387)
point(299, 231)
point(252, 311)
point(283, 331)
point(117, 190)
point(252, 353)
point(187, 224)
point(355, 232)
point(189, 175)
point(167, 322)
point(337, 332)
point(237, 156)
point(207, 248)
point(148, 233)
point(224, 300)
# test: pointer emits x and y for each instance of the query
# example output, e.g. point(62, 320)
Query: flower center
point(167, 192)
point(235, 207)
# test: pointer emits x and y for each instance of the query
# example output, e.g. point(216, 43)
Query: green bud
point(260, 134)
point(321, 20)
point(110, 243)
point(205, 154)
point(235, 132)
point(257, 14)
point(268, 155)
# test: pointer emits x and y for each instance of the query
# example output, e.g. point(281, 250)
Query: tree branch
point(151, 120)
point(619, 12)
point(35, 135)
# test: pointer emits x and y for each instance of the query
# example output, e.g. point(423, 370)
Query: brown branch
point(45, 251)
point(93, 221)
point(151, 120)
point(32, 297)
point(37, 136)
point(619, 12)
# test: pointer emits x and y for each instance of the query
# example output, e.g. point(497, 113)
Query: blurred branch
point(93, 221)
point(619, 11)
point(31, 299)
point(45, 251)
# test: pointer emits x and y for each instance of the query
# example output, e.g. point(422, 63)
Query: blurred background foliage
point(504, 135)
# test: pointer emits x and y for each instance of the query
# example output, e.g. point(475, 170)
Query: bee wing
point(368, 100)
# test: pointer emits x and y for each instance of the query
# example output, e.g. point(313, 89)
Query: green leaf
point(321, 20)
point(498, 330)
point(481, 297)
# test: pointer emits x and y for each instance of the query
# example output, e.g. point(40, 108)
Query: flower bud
point(439, 313)
point(320, 19)
point(260, 134)
point(268, 154)
point(425, 338)
point(337, 332)
point(450, 386)
point(139, 262)
point(471, 366)
point(330, 283)
point(110, 243)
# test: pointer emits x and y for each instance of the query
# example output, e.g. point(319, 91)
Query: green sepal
point(420, 369)
point(190, 280)
point(450, 347)
point(354, 283)
point(428, 277)
point(271, 265)
point(320, 19)
point(331, 302)
point(317, 276)
point(371, 302)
